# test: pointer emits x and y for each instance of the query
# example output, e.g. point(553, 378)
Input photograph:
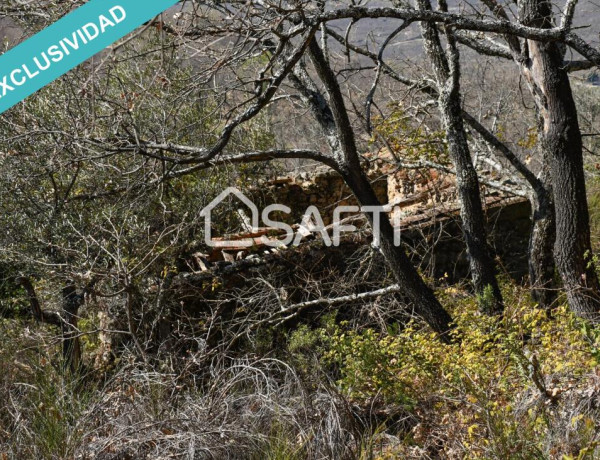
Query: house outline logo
point(207, 214)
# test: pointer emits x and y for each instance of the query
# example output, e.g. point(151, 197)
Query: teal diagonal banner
point(68, 42)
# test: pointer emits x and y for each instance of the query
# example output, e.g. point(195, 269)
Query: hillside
point(228, 238)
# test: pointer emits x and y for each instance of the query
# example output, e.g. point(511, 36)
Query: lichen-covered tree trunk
point(336, 123)
point(446, 66)
point(70, 331)
point(541, 243)
point(421, 297)
point(562, 143)
point(482, 266)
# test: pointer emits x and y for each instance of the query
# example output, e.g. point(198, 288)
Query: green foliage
point(280, 445)
point(477, 383)
point(410, 140)
point(51, 403)
point(593, 196)
point(303, 339)
point(530, 140)
point(486, 299)
point(72, 208)
point(55, 406)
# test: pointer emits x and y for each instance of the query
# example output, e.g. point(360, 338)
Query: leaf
point(472, 428)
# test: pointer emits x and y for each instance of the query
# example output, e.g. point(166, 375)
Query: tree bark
point(66, 320)
point(421, 297)
point(481, 262)
point(335, 121)
point(562, 144)
point(541, 243)
point(447, 71)
point(540, 255)
point(70, 332)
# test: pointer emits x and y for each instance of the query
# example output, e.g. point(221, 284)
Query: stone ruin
point(423, 205)
point(427, 213)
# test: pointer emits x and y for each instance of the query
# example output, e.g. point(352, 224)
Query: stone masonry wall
point(424, 206)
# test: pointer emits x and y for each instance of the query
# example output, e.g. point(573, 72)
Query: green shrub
point(476, 388)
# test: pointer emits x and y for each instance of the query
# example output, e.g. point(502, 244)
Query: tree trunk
point(562, 144)
point(70, 332)
point(336, 123)
point(541, 243)
point(420, 296)
point(66, 320)
point(482, 265)
point(447, 72)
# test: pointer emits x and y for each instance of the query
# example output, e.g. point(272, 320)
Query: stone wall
point(423, 205)
point(437, 246)
point(322, 188)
